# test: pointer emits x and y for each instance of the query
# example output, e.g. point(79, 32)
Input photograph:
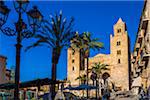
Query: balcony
point(138, 70)
point(145, 23)
point(140, 39)
point(137, 46)
point(141, 64)
point(135, 54)
point(135, 75)
point(133, 60)
point(145, 57)
point(141, 33)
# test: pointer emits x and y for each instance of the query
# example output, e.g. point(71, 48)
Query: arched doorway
point(105, 76)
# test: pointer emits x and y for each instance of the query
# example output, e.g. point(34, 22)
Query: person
point(106, 95)
point(149, 92)
point(141, 94)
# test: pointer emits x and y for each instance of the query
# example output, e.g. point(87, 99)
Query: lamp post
point(21, 32)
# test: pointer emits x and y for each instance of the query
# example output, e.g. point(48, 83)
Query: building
point(141, 55)
point(3, 69)
point(5, 74)
point(118, 60)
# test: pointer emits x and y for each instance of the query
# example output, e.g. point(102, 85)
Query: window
point(118, 43)
point(73, 68)
point(72, 60)
point(119, 30)
point(73, 52)
point(118, 52)
point(119, 61)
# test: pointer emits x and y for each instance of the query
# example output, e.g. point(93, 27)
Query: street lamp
point(21, 32)
point(4, 11)
point(21, 5)
point(34, 18)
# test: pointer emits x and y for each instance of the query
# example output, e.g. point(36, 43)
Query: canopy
point(137, 82)
point(81, 87)
point(4, 94)
point(32, 83)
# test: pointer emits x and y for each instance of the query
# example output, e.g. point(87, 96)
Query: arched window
point(119, 30)
point(118, 43)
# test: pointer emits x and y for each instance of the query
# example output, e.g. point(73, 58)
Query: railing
point(137, 46)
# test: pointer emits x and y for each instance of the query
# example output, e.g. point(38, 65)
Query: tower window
point(118, 43)
point(119, 30)
point(73, 68)
point(118, 52)
point(72, 60)
point(73, 52)
point(119, 61)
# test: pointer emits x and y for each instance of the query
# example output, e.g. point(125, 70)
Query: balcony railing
point(137, 46)
point(141, 33)
point(135, 54)
point(145, 23)
point(145, 57)
point(133, 60)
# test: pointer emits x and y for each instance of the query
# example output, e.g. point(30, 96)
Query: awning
point(4, 94)
point(81, 87)
point(33, 83)
point(137, 82)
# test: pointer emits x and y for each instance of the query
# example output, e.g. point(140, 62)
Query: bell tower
point(120, 53)
point(73, 70)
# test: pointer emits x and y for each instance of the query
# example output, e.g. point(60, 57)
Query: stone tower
point(74, 64)
point(120, 55)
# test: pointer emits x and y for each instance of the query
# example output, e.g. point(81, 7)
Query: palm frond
point(98, 67)
point(56, 34)
point(37, 44)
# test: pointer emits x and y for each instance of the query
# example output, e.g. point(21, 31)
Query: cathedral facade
point(118, 60)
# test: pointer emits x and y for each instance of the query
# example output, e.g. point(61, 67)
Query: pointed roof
point(119, 20)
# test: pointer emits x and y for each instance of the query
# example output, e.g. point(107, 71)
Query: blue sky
point(97, 17)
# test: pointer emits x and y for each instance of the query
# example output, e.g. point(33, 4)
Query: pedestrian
point(142, 94)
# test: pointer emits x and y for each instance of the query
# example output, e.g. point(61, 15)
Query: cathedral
point(118, 60)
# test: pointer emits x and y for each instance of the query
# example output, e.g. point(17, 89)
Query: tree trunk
point(87, 76)
point(55, 58)
point(96, 89)
point(86, 55)
point(53, 80)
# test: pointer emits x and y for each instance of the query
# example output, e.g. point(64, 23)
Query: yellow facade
point(141, 54)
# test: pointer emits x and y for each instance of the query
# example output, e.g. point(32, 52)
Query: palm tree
point(82, 79)
point(55, 35)
point(97, 70)
point(84, 42)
